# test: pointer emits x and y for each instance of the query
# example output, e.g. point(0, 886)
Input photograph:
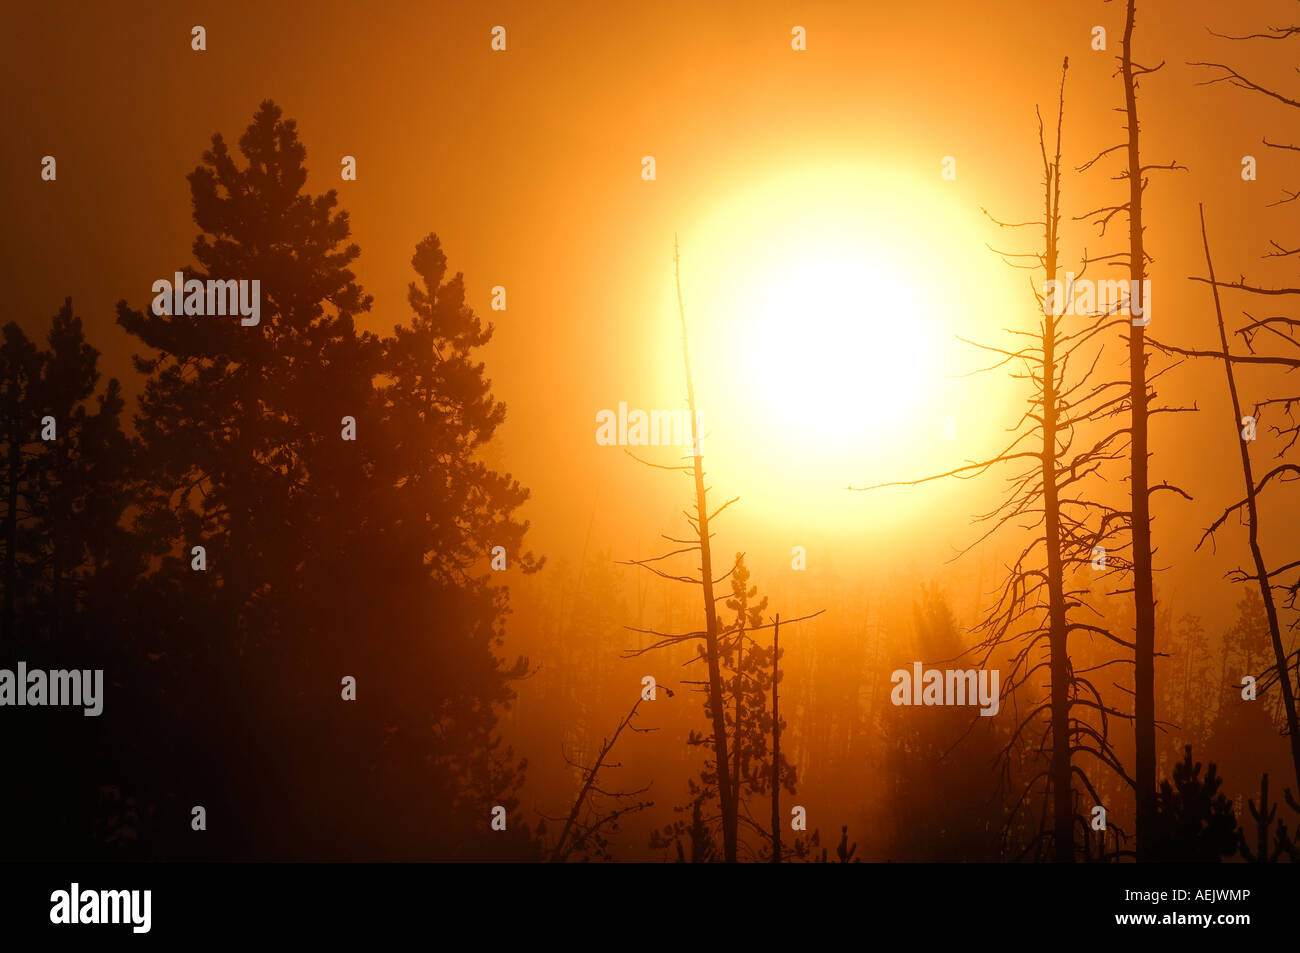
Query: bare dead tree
point(731, 640)
point(1250, 504)
point(1144, 674)
point(1140, 401)
point(726, 794)
point(1039, 603)
point(1271, 343)
point(700, 541)
point(578, 834)
point(776, 740)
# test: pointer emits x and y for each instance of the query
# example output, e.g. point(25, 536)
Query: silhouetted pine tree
point(73, 565)
point(326, 557)
point(746, 667)
point(1264, 815)
point(432, 513)
point(1193, 822)
point(80, 478)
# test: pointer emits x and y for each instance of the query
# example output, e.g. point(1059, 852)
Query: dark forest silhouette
point(325, 557)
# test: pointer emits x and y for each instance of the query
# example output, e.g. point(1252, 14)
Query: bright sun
point(851, 342)
point(824, 306)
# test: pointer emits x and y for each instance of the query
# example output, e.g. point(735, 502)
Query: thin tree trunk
point(776, 742)
point(1062, 803)
point(1062, 800)
point(560, 853)
point(1144, 702)
point(727, 802)
point(1252, 509)
point(737, 684)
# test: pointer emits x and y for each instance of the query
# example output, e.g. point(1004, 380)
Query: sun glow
point(824, 308)
point(849, 341)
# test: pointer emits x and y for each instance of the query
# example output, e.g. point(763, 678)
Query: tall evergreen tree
point(80, 475)
point(69, 561)
point(331, 477)
point(230, 413)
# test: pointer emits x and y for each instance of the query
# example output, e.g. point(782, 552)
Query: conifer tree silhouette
point(1264, 815)
point(1193, 822)
point(327, 556)
point(70, 566)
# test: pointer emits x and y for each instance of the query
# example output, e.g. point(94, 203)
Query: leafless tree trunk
point(727, 774)
point(776, 740)
point(1033, 608)
point(726, 793)
point(1062, 800)
point(566, 845)
point(1144, 671)
point(1279, 330)
point(1252, 517)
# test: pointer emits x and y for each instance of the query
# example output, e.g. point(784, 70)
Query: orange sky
point(527, 164)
